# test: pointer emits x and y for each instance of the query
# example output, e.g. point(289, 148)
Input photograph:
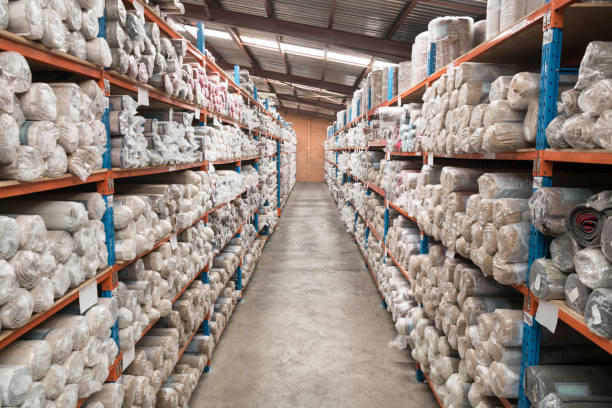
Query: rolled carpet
point(598, 312)
point(606, 239)
point(585, 222)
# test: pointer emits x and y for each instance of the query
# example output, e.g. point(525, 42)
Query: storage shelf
point(9, 336)
point(578, 156)
point(14, 188)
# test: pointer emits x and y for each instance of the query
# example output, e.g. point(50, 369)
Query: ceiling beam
point(245, 53)
point(269, 7)
point(400, 19)
point(332, 14)
point(315, 83)
point(324, 64)
point(334, 107)
point(365, 72)
point(325, 116)
point(381, 48)
point(456, 7)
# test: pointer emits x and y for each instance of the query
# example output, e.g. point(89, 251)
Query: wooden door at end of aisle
point(311, 133)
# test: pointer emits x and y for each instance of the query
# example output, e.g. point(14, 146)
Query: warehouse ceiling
point(312, 54)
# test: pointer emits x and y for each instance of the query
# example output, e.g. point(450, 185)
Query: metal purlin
point(538, 242)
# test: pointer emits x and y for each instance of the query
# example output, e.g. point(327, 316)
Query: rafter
point(400, 19)
point(332, 14)
point(392, 50)
point(315, 83)
point(456, 7)
point(245, 53)
point(269, 7)
point(324, 64)
point(365, 72)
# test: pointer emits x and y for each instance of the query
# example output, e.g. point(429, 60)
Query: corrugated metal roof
point(305, 66)
point(311, 12)
point(372, 17)
point(249, 7)
point(342, 73)
point(268, 60)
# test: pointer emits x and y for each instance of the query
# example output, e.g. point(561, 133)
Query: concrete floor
point(310, 331)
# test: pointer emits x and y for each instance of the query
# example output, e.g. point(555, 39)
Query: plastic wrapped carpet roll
point(43, 295)
point(68, 397)
point(15, 67)
point(111, 396)
point(504, 379)
point(546, 281)
point(541, 380)
point(8, 282)
point(553, 400)
point(598, 312)
point(15, 382)
point(508, 327)
point(602, 131)
point(577, 131)
point(499, 88)
point(26, 18)
point(9, 138)
point(585, 221)
point(562, 250)
point(554, 135)
point(549, 207)
point(39, 102)
point(99, 321)
point(576, 293)
point(59, 339)
point(9, 230)
point(32, 232)
point(596, 99)
point(525, 87)
point(55, 381)
point(18, 310)
point(593, 268)
point(570, 101)
point(459, 179)
point(504, 185)
point(57, 163)
point(606, 239)
point(57, 215)
point(74, 365)
point(474, 306)
point(60, 244)
point(28, 164)
point(513, 242)
point(504, 137)
point(530, 125)
point(510, 210)
point(34, 354)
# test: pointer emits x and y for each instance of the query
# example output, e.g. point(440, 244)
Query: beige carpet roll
point(57, 215)
point(18, 310)
point(550, 205)
point(499, 88)
point(509, 273)
point(504, 137)
point(577, 131)
point(74, 365)
point(508, 327)
point(111, 396)
point(27, 268)
point(596, 99)
point(554, 135)
point(504, 379)
point(524, 87)
point(482, 378)
point(570, 101)
point(513, 242)
point(501, 112)
point(99, 320)
point(505, 185)
point(15, 382)
point(59, 339)
point(68, 397)
point(489, 239)
point(43, 295)
point(34, 354)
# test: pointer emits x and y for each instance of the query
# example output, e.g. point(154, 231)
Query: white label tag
point(172, 168)
point(537, 182)
point(573, 295)
point(109, 202)
point(106, 102)
point(173, 243)
point(527, 318)
point(430, 159)
point(88, 296)
point(450, 254)
point(128, 357)
point(143, 94)
point(596, 314)
point(547, 315)
point(197, 113)
point(537, 283)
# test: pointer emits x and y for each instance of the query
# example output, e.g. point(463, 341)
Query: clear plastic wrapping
point(504, 137)
point(563, 249)
point(550, 205)
point(524, 88)
point(593, 269)
point(576, 293)
point(598, 312)
point(554, 134)
point(546, 281)
point(597, 98)
point(577, 131)
point(504, 185)
point(513, 242)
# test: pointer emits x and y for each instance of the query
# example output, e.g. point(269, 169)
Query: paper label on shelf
point(172, 168)
point(197, 113)
point(88, 296)
point(430, 159)
point(128, 357)
point(173, 242)
point(106, 102)
point(450, 254)
point(537, 283)
point(547, 315)
point(573, 295)
point(143, 96)
point(109, 201)
point(527, 318)
point(596, 314)
point(537, 182)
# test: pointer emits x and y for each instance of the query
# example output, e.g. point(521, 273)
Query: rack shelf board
point(405, 154)
point(400, 210)
point(378, 190)
point(13, 188)
point(399, 266)
point(578, 156)
point(526, 155)
point(118, 173)
point(9, 336)
point(577, 322)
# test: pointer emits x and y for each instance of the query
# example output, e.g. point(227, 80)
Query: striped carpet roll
point(585, 222)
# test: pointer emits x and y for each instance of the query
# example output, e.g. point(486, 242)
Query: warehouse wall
point(311, 133)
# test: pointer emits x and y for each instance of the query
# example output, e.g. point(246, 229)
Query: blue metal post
point(424, 245)
point(431, 59)
point(255, 93)
point(278, 173)
point(267, 104)
point(386, 230)
point(237, 74)
point(201, 40)
point(390, 84)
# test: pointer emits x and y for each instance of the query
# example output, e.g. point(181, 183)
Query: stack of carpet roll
point(48, 129)
point(48, 247)
point(249, 262)
point(580, 268)
point(267, 214)
point(64, 359)
point(226, 220)
point(584, 117)
point(226, 142)
point(403, 239)
point(230, 183)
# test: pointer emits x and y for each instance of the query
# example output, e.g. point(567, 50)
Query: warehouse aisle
point(310, 331)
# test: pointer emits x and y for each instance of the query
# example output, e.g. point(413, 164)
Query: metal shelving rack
point(111, 82)
point(538, 36)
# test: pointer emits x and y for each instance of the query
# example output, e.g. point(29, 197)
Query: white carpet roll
point(43, 295)
point(553, 133)
point(8, 282)
point(61, 280)
point(28, 164)
point(9, 138)
point(593, 269)
point(111, 396)
point(57, 215)
point(500, 112)
point(15, 382)
point(39, 102)
point(18, 310)
point(596, 99)
point(55, 381)
point(34, 354)
point(36, 397)
point(68, 397)
point(504, 137)
point(99, 321)
point(32, 232)
point(60, 244)
point(74, 365)
point(504, 379)
point(59, 339)
point(577, 131)
point(15, 67)
point(57, 163)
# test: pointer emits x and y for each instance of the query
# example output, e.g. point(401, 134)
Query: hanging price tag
point(547, 315)
point(173, 242)
point(197, 113)
point(143, 97)
point(450, 254)
point(430, 159)
point(88, 296)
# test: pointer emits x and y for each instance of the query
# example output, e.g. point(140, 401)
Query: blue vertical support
point(255, 93)
point(424, 245)
point(359, 107)
point(201, 40)
point(431, 59)
point(237, 74)
point(386, 230)
point(390, 81)
point(267, 104)
point(278, 174)
point(538, 242)
point(355, 224)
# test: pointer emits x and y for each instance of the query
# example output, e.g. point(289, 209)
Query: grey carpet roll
point(585, 221)
point(553, 400)
point(606, 239)
point(576, 293)
point(550, 206)
point(562, 251)
point(546, 281)
point(598, 312)
point(541, 380)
